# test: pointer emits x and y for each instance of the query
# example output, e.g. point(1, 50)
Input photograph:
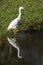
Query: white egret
point(14, 44)
point(14, 23)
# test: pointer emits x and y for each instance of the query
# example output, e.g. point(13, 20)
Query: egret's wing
point(13, 24)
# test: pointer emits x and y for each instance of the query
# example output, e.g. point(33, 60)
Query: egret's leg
point(15, 30)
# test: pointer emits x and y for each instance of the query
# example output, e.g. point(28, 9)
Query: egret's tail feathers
point(8, 28)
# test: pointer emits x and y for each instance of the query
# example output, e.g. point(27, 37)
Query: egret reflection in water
point(30, 46)
point(15, 45)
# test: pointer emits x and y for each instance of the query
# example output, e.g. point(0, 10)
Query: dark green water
point(31, 49)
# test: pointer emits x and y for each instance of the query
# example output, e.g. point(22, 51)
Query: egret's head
point(21, 8)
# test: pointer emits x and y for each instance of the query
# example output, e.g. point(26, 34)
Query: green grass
point(32, 13)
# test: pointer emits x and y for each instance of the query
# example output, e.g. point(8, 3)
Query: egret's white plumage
point(14, 44)
point(14, 23)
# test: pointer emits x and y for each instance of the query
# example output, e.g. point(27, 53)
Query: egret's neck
point(19, 16)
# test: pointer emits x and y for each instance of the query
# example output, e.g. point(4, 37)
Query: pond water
point(31, 46)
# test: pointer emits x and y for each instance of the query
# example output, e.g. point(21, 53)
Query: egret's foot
point(14, 31)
